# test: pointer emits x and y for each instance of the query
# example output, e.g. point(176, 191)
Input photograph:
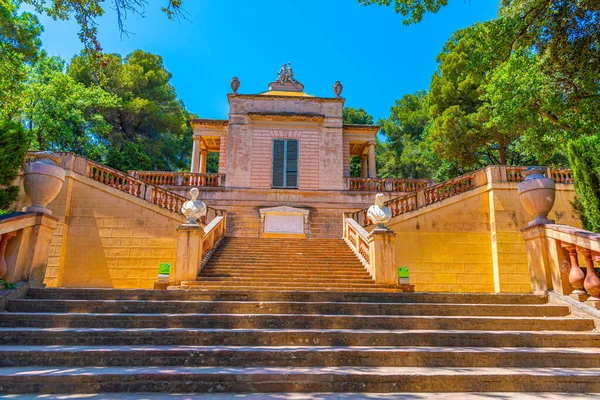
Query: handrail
point(386, 184)
point(556, 262)
point(128, 184)
point(215, 232)
point(357, 238)
point(433, 194)
point(167, 178)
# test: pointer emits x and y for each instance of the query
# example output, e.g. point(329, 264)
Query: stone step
point(296, 356)
point(292, 321)
point(194, 285)
point(255, 307)
point(218, 272)
point(285, 283)
point(319, 396)
point(242, 295)
point(285, 280)
point(307, 261)
point(263, 267)
point(295, 379)
point(69, 336)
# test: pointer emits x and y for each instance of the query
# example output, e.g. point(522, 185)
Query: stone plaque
point(284, 220)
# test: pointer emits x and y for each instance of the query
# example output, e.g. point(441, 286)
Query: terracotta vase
point(537, 194)
point(42, 181)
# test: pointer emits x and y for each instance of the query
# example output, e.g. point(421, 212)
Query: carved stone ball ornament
point(379, 213)
point(337, 88)
point(193, 209)
point(235, 84)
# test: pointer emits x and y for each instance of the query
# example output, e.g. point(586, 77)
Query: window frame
point(285, 159)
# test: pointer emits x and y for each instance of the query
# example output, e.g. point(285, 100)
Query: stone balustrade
point(564, 259)
point(386, 184)
point(375, 249)
point(24, 245)
point(439, 192)
point(126, 183)
point(163, 178)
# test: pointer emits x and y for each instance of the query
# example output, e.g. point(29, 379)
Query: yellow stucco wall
point(472, 242)
point(107, 238)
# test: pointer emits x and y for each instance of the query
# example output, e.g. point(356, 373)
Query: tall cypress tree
point(13, 147)
point(583, 157)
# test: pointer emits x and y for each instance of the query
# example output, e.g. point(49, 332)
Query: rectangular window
point(285, 164)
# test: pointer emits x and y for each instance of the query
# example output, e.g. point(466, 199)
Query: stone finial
point(193, 209)
point(337, 88)
point(537, 195)
point(379, 213)
point(235, 84)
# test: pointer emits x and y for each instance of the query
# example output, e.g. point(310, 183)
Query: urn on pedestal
point(42, 180)
point(235, 84)
point(337, 88)
point(537, 194)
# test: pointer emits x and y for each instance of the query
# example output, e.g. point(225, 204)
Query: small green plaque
point(164, 268)
point(402, 272)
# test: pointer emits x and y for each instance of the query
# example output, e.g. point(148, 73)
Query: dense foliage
point(583, 155)
point(14, 147)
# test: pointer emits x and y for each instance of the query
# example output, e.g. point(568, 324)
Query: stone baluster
point(591, 282)
point(576, 275)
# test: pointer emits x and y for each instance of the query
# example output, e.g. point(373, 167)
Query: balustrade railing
point(433, 194)
point(127, 183)
point(215, 232)
point(161, 178)
point(357, 238)
point(386, 184)
point(555, 253)
point(450, 188)
point(560, 175)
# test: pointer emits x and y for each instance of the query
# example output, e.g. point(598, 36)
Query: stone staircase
point(176, 341)
point(285, 264)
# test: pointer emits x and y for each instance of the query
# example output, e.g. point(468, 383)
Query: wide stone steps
point(286, 265)
point(296, 356)
point(70, 336)
point(295, 379)
point(282, 307)
point(292, 321)
point(248, 295)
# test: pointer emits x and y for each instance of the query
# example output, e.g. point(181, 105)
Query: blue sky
point(368, 49)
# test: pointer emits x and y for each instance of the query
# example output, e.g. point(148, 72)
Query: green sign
point(402, 272)
point(164, 268)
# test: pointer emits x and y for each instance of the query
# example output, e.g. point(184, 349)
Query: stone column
point(196, 156)
point(188, 254)
point(382, 249)
point(203, 158)
point(372, 165)
point(364, 172)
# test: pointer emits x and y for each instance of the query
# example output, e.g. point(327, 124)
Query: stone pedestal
point(188, 257)
point(382, 251)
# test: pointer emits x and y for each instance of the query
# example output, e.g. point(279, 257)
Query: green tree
point(61, 114)
point(150, 128)
point(13, 145)
point(361, 117)
point(86, 12)
point(19, 44)
point(583, 156)
point(411, 10)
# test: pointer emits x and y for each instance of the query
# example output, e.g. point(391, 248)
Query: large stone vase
point(42, 181)
point(537, 194)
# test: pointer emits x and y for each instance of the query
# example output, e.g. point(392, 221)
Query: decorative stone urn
point(379, 213)
point(537, 194)
point(193, 209)
point(235, 84)
point(42, 180)
point(337, 88)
